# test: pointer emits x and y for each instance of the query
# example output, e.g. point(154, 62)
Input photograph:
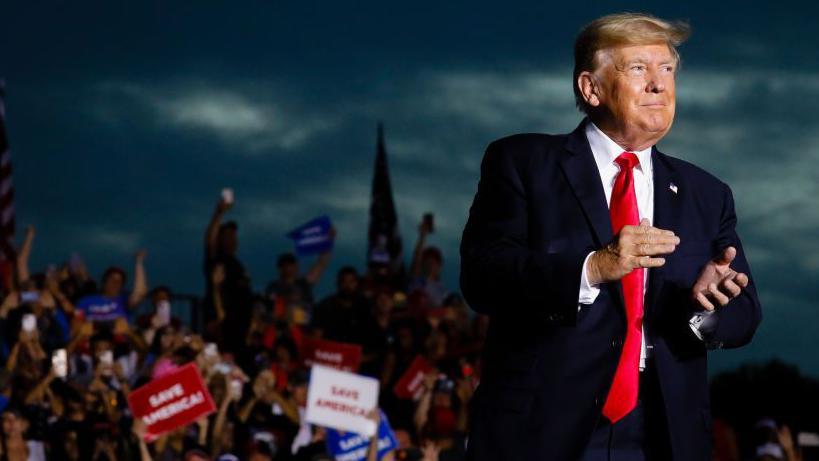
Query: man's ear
point(589, 89)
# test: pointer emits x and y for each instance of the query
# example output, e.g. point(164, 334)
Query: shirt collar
point(605, 150)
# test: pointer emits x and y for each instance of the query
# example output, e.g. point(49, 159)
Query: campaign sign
point(341, 400)
point(343, 356)
point(410, 385)
point(171, 401)
point(100, 308)
point(349, 446)
point(312, 237)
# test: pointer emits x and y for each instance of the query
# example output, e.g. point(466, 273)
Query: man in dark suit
point(608, 270)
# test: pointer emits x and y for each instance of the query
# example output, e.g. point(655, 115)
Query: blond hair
point(622, 29)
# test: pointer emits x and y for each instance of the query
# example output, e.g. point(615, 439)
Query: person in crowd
point(14, 446)
point(293, 291)
point(343, 315)
point(111, 302)
point(774, 442)
point(234, 288)
point(425, 270)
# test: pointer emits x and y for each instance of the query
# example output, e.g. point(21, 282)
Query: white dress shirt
point(605, 152)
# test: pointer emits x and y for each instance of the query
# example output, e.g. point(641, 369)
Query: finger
point(731, 289)
point(741, 279)
point(703, 300)
point(647, 262)
point(656, 238)
point(726, 256)
point(644, 229)
point(718, 296)
point(658, 231)
point(647, 249)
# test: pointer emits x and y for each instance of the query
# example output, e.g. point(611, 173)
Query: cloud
point(251, 119)
point(113, 239)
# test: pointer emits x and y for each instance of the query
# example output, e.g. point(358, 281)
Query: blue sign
point(102, 308)
point(313, 237)
point(353, 447)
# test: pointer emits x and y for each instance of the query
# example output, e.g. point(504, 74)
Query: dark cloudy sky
point(127, 118)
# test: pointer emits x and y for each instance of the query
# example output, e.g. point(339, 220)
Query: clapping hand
point(632, 248)
point(718, 283)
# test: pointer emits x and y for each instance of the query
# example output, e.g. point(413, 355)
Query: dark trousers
point(641, 435)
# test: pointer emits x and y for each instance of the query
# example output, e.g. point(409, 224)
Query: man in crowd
point(236, 296)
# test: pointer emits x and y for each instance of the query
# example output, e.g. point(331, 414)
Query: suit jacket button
point(617, 342)
point(596, 401)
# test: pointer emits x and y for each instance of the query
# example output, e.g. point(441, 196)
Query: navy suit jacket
point(539, 210)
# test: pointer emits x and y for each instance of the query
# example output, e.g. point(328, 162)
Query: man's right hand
point(632, 248)
point(222, 206)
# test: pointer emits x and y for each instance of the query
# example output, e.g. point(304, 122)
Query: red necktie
point(623, 210)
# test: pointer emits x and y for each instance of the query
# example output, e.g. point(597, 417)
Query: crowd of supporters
point(120, 332)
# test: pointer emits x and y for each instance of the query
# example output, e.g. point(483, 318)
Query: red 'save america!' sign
point(342, 356)
point(170, 401)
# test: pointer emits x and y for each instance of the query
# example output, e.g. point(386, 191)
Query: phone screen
point(227, 195)
point(211, 350)
point(163, 311)
point(29, 322)
point(59, 362)
point(236, 388)
point(107, 360)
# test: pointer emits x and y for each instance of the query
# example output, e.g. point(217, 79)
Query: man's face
point(431, 266)
point(113, 284)
point(348, 284)
point(637, 89)
point(160, 295)
point(289, 270)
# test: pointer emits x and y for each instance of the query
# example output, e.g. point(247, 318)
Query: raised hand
point(632, 248)
point(430, 451)
point(423, 228)
point(222, 206)
point(718, 283)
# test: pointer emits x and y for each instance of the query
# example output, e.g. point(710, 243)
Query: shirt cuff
point(703, 324)
point(588, 292)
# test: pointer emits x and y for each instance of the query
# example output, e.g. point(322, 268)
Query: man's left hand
point(718, 283)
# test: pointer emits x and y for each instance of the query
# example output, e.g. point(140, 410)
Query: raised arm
point(140, 281)
point(221, 417)
point(499, 271)
point(24, 254)
point(212, 232)
point(218, 278)
point(138, 429)
point(317, 269)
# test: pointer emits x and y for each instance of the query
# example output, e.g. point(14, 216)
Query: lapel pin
point(673, 187)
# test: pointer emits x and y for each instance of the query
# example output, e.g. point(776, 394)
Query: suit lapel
point(581, 173)
point(667, 197)
point(584, 178)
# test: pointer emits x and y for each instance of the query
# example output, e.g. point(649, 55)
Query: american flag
point(7, 251)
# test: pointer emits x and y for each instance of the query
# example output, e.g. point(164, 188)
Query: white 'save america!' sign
point(341, 400)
